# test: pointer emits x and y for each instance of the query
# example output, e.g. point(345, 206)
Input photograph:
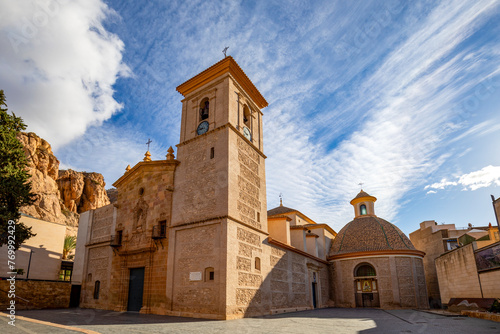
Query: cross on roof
point(224, 51)
point(149, 142)
point(361, 184)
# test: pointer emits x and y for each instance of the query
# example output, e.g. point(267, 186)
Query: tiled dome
point(369, 233)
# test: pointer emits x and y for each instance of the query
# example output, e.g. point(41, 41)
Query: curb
point(448, 314)
point(18, 317)
point(482, 315)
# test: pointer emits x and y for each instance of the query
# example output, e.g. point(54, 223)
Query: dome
point(279, 211)
point(369, 233)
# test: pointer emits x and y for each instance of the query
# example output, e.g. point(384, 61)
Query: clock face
point(202, 128)
point(247, 133)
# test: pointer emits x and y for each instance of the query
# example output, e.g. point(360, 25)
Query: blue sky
point(401, 96)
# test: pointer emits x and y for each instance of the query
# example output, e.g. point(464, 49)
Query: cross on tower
point(361, 184)
point(281, 199)
point(224, 51)
point(149, 142)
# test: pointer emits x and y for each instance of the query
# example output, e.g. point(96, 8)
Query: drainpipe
point(495, 211)
point(29, 264)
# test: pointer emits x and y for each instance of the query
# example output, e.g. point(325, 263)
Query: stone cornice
point(220, 218)
point(377, 252)
point(132, 171)
point(226, 65)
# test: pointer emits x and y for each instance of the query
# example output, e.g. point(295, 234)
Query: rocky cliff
point(82, 191)
point(60, 195)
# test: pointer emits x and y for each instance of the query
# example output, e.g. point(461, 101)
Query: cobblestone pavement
point(332, 320)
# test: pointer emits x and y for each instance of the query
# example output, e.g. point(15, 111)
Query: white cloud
point(58, 65)
point(399, 140)
point(431, 192)
point(485, 177)
point(441, 185)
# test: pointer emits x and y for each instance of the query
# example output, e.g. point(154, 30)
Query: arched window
point(204, 108)
point(209, 274)
point(365, 270)
point(257, 263)
point(362, 209)
point(246, 116)
point(97, 287)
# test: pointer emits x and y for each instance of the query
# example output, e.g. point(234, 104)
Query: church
point(191, 235)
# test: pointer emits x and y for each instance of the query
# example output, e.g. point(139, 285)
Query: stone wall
point(490, 283)
point(459, 278)
point(457, 274)
point(201, 181)
point(432, 244)
point(98, 257)
point(247, 293)
point(198, 248)
point(40, 294)
point(400, 281)
point(292, 276)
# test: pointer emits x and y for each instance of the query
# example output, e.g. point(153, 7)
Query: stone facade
point(216, 257)
point(400, 281)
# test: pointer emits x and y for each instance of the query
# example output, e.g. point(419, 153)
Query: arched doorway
point(365, 285)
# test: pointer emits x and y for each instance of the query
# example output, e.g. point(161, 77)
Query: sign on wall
point(195, 276)
point(488, 258)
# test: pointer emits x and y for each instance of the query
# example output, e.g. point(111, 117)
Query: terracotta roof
point(369, 233)
point(362, 194)
point(279, 211)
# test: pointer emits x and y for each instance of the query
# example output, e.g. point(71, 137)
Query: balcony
point(116, 240)
point(159, 232)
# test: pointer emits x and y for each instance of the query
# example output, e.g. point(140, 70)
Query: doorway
point(314, 286)
point(74, 297)
point(135, 289)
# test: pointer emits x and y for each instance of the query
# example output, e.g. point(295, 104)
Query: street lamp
point(29, 264)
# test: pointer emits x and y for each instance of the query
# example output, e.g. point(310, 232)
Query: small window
point(209, 274)
point(365, 270)
point(257, 263)
point(204, 109)
point(246, 116)
point(97, 287)
point(119, 237)
point(212, 153)
point(89, 278)
point(258, 216)
point(163, 228)
point(362, 209)
point(141, 191)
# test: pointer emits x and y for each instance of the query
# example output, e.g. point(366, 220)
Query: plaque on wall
point(195, 276)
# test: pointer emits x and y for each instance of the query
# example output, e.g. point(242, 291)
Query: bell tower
point(219, 200)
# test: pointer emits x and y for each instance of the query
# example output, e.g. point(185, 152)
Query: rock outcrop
point(60, 195)
point(44, 169)
point(82, 191)
point(112, 195)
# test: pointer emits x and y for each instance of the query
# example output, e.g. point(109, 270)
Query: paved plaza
point(332, 320)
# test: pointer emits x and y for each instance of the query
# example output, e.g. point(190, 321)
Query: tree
point(15, 188)
point(69, 246)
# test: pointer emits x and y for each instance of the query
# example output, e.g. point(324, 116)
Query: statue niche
point(140, 216)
